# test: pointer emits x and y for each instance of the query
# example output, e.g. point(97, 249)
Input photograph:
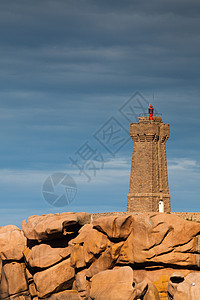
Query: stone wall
point(189, 216)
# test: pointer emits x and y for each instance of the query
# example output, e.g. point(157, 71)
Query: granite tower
point(148, 190)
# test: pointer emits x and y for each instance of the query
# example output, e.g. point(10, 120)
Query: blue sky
point(66, 68)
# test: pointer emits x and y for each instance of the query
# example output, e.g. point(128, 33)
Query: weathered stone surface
point(0, 266)
point(31, 284)
point(187, 289)
point(43, 255)
point(152, 292)
point(159, 276)
point(21, 296)
point(12, 243)
point(89, 242)
point(115, 227)
point(80, 281)
point(53, 226)
point(66, 295)
point(115, 249)
point(54, 279)
point(13, 280)
point(104, 262)
point(116, 285)
point(175, 279)
point(162, 238)
point(77, 257)
point(75, 221)
point(154, 245)
point(81, 284)
point(83, 233)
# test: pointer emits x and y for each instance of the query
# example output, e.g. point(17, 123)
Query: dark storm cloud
point(95, 22)
point(66, 66)
point(72, 41)
point(65, 54)
point(52, 51)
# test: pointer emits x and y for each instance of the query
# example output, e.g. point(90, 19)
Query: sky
point(69, 70)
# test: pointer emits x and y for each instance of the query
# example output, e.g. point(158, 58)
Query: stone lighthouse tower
point(148, 190)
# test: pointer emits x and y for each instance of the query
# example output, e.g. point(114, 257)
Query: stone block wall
point(189, 216)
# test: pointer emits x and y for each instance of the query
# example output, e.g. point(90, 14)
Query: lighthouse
point(149, 189)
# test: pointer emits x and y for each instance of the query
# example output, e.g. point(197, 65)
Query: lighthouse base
point(148, 202)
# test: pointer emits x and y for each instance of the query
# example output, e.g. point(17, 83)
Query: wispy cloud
point(114, 169)
point(183, 164)
point(22, 178)
point(184, 175)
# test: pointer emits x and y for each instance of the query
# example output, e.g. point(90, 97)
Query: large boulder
point(104, 262)
point(54, 226)
point(13, 280)
point(0, 267)
point(114, 227)
point(116, 285)
point(21, 296)
point(66, 295)
point(68, 257)
point(87, 245)
point(187, 288)
point(175, 279)
point(158, 275)
point(162, 239)
point(152, 292)
point(54, 279)
point(93, 249)
point(31, 284)
point(12, 243)
point(43, 255)
point(81, 284)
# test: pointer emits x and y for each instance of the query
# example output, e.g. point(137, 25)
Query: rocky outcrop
point(116, 284)
point(12, 243)
point(43, 256)
point(67, 256)
point(13, 280)
point(13, 271)
point(48, 227)
point(163, 240)
point(66, 295)
point(115, 228)
point(187, 288)
point(57, 278)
